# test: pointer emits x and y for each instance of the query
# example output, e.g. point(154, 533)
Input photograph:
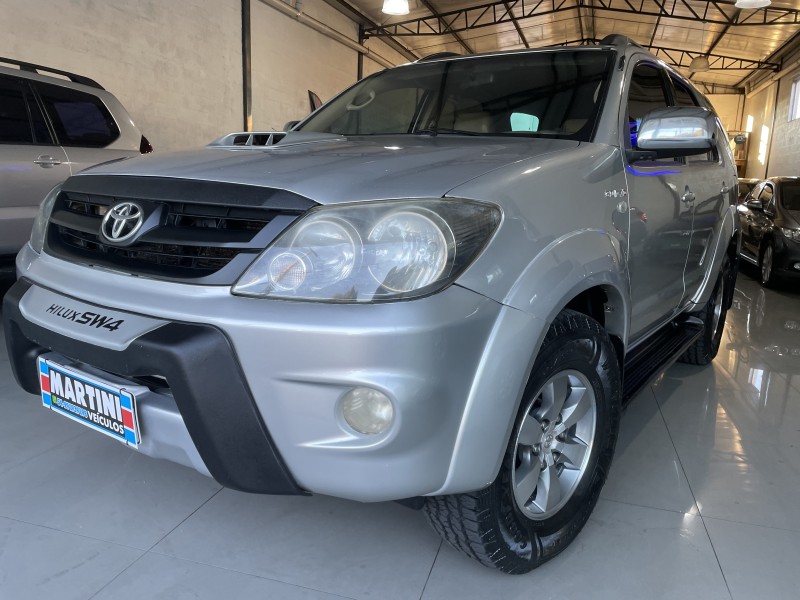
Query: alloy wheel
point(554, 444)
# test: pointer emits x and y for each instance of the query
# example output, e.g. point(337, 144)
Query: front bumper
point(258, 383)
point(787, 258)
point(202, 370)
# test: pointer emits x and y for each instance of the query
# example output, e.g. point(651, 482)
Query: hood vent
point(248, 138)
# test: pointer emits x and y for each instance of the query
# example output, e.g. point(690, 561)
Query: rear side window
point(683, 97)
point(790, 196)
point(79, 119)
point(15, 125)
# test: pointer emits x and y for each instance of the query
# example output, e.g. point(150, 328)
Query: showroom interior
point(701, 498)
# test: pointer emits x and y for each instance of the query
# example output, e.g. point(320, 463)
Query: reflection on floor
point(702, 502)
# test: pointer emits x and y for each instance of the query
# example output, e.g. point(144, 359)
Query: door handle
point(725, 189)
point(688, 197)
point(45, 161)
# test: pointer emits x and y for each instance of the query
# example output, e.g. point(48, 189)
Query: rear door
point(711, 179)
point(30, 162)
point(83, 125)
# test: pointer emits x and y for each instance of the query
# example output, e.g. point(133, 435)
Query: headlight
point(42, 217)
point(792, 234)
point(372, 251)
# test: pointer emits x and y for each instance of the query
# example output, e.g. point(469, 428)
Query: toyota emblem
point(122, 222)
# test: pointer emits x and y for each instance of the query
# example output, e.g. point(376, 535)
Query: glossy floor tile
point(759, 562)
point(39, 562)
point(701, 502)
point(624, 552)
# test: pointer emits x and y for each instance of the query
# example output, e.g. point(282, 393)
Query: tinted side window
point(790, 196)
point(41, 134)
point(15, 126)
point(683, 97)
point(78, 118)
point(647, 93)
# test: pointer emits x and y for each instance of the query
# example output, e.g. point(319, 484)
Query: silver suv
point(440, 288)
point(51, 127)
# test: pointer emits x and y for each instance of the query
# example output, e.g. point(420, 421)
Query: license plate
point(97, 404)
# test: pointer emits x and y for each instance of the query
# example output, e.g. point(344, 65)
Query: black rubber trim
point(171, 189)
point(207, 383)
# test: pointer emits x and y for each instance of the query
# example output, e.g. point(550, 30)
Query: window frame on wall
point(794, 102)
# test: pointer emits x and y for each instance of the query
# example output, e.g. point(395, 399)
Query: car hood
point(331, 169)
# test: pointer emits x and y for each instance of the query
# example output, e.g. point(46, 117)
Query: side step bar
point(651, 358)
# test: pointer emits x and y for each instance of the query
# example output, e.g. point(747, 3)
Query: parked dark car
point(770, 222)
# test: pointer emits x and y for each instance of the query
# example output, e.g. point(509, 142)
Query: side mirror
point(677, 131)
point(289, 125)
point(754, 205)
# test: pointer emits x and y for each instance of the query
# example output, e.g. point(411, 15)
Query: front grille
point(181, 240)
point(171, 255)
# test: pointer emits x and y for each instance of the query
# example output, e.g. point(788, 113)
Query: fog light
point(797, 266)
point(367, 410)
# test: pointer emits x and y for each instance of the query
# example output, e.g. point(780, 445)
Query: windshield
point(790, 196)
point(554, 93)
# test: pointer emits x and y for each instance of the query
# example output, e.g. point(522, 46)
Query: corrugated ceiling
point(736, 41)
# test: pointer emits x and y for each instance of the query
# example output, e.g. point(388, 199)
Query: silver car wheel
point(717, 308)
point(554, 444)
point(766, 264)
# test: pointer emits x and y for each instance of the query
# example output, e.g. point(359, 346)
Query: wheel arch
point(584, 271)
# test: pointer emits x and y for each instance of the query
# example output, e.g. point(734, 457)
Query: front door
point(661, 206)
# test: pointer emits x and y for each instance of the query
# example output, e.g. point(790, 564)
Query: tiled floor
point(702, 502)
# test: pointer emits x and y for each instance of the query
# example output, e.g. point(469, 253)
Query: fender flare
point(566, 267)
point(569, 265)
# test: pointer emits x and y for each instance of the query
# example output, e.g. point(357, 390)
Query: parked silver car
point(52, 125)
point(440, 288)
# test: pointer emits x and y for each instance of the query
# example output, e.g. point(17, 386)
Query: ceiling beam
point(519, 29)
point(717, 62)
point(720, 12)
point(353, 13)
point(448, 27)
point(683, 58)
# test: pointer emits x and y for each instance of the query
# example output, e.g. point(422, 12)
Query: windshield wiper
point(433, 132)
point(459, 131)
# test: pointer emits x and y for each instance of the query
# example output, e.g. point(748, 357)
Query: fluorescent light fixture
point(396, 7)
point(699, 63)
point(752, 3)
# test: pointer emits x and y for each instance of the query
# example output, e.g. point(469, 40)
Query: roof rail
point(438, 55)
point(616, 39)
point(33, 68)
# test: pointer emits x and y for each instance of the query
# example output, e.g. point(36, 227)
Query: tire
point(521, 521)
point(713, 315)
point(766, 264)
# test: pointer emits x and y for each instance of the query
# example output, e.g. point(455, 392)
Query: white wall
point(758, 120)
point(729, 108)
point(383, 50)
point(174, 64)
point(289, 58)
point(784, 155)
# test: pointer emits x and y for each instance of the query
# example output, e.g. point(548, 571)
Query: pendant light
point(395, 7)
point(753, 3)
